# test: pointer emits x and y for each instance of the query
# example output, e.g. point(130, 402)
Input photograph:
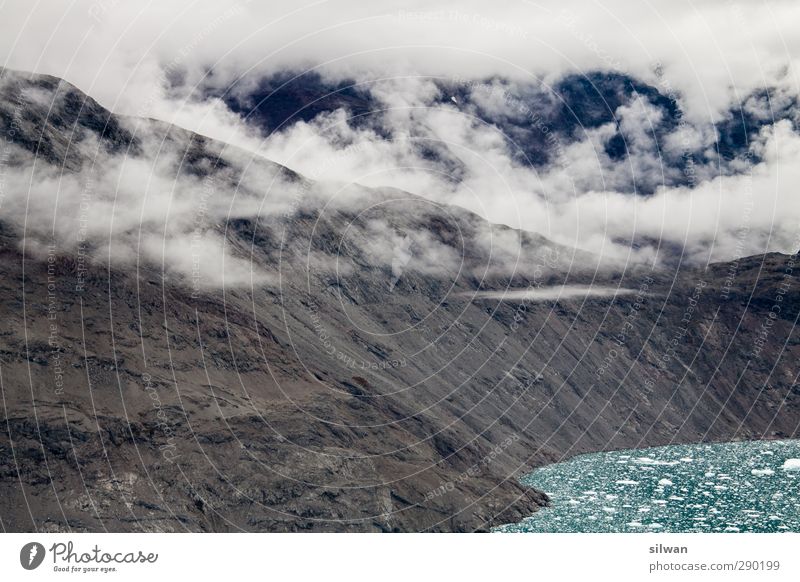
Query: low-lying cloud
point(555, 293)
point(160, 61)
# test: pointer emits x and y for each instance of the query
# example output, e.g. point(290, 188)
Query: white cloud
point(555, 293)
point(712, 55)
point(115, 50)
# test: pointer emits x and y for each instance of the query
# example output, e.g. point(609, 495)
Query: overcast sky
point(709, 48)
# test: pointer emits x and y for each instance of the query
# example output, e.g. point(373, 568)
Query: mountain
point(199, 339)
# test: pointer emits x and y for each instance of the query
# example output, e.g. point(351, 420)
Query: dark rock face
point(53, 133)
point(362, 390)
point(591, 100)
point(282, 100)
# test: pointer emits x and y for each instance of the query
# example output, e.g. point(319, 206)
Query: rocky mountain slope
point(351, 367)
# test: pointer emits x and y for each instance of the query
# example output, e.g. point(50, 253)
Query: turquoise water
point(730, 487)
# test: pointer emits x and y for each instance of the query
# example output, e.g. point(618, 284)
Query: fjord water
point(728, 487)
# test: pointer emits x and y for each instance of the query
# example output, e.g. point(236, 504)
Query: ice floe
point(791, 465)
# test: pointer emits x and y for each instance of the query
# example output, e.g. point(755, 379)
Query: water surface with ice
point(729, 487)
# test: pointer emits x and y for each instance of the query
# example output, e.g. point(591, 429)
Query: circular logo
point(31, 555)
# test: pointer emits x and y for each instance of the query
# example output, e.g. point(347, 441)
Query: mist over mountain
point(201, 339)
point(598, 132)
point(563, 159)
point(342, 266)
point(525, 113)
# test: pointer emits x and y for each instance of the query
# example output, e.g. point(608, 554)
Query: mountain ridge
point(361, 384)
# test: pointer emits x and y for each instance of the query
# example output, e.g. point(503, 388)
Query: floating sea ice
point(791, 465)
point(653, 462)
point(693, 490)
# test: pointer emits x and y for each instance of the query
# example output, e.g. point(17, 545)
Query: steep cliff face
point(334, 359)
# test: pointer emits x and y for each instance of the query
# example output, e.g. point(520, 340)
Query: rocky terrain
point(353, 368)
